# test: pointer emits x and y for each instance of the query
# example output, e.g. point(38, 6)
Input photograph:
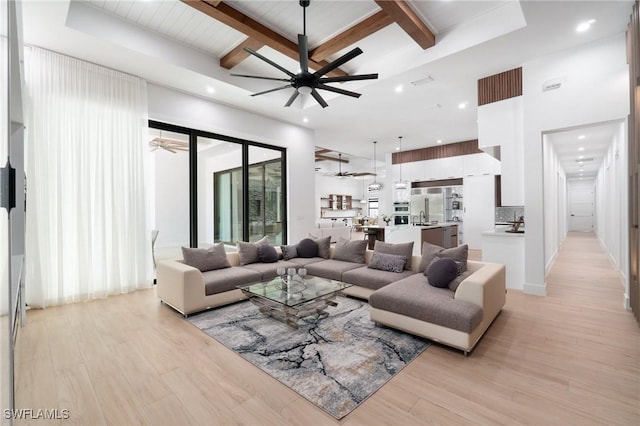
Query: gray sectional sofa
point(457, 315)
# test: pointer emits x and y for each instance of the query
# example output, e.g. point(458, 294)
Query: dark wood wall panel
point(439, 151)
point(499, 87)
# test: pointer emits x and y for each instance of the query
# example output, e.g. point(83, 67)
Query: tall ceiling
point(417, 95)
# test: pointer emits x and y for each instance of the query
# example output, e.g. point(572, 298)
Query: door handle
point(573, 215)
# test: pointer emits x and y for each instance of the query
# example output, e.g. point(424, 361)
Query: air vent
point(420, 82)
point(581, 160)
point(553, 84)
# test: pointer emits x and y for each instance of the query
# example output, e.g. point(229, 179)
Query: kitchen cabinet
point(470, 165)
point(433, 169)
point(479, 208)
point(451, 167)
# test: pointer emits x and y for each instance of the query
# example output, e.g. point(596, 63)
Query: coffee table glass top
point(298, 292)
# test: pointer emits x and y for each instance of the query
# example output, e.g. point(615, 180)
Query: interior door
point(581, 209)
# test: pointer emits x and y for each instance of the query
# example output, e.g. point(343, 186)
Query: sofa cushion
point(331, 269)
point(429, 252)
point(373, 278)
point(387, 262)
point(401, 249)
point(323, 245)
point(441, 271)
point(307, 248)
point(415, 298)
point(267, 253)
point(304, 261)
point(269, 270)
point(289, 252)
point(350, 251)
point(459, 254)
point(209, 259)
point(222, 280)
point(248, 252)
point(453, 285)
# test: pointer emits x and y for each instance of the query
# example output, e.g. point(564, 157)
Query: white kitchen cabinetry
point(487, 165)
point(432, 169)
point(470, 165)
point(479, 208)
point(451, 167)
point(500, 123)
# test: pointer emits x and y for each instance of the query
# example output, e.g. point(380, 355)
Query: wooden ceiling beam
point(238, 54)
point(327, 158)
point(352, 35)
point(322, 151)
point(409, 21)
point(255, 30)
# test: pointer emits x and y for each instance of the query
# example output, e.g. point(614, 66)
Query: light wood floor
point(571, 358)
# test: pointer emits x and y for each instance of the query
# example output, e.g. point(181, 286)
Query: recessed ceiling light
point(439, 141)
point(462, 105)
point(210, 89)
point(581, 137)
point(399, 88)
point(581, 163)
point(584, 26)
point(581, 157)
point(581, 148)
point(306, 120)
point(397, 148)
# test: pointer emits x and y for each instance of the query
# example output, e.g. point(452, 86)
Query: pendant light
point(363, 199)
point(374, 186)
point(401, 184)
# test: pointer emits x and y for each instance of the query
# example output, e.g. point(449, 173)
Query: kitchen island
point(501, 246)
point(441, 234)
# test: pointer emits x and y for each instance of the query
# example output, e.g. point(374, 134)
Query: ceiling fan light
point(305, 90)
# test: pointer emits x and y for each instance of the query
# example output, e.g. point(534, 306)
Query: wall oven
point(401, 213)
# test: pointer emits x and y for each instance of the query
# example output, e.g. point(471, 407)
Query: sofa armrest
point(485, 287)
point(179, 285)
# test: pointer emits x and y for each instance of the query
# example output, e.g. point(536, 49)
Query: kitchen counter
point(506, 248)
point(407, 233)
point(501, 231)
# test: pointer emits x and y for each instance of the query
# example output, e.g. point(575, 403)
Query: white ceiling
point(171, 44)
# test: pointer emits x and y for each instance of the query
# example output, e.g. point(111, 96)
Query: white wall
point(178, 108)
point(612, 223)
point(595, 89)
point(555, 201)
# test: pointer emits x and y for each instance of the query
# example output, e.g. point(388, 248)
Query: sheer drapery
point(4, 153)
point(87, 226)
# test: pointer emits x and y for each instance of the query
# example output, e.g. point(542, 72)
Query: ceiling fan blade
point(336, 90)
point(260, 77)
point(303, 50)
point(348, 78)
point(269, 61)
point(169, 149)
point(319, 99)
point(293, 97)
point(272, 90)
point(338, 62)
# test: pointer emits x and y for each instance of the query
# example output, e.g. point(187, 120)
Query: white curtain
point(87, 227)
point(4, 152)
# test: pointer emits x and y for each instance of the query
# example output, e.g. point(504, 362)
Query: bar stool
point(372, 236)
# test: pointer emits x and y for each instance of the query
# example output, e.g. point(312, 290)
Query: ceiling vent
point(580, 160)
point(420, 82)
point(553, 84)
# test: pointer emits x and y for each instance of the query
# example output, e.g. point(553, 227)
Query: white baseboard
point(535, 289)
point(551, 262)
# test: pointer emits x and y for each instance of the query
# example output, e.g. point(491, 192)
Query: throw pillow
point(307, 248)
point(350, 251)
point(323, 245)
point(289, 252)
point(429, 252)
point(441, 272)
point(248, 252)
point(267, 253)
point(400, 249)
point(387, 262)
point(209, 259)
point(459, 254)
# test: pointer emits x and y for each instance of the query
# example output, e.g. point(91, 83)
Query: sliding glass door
point(228, 189)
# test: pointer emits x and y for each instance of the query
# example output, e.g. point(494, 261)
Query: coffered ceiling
point(172, 43)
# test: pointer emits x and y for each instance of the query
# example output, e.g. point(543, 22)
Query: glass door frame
point(193, 176)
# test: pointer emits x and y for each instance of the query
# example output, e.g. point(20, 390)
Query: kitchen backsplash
point(509, 214)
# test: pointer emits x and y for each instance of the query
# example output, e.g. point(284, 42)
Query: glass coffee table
point(299, 299)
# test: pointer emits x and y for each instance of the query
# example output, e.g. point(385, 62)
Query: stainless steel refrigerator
point(419, 209)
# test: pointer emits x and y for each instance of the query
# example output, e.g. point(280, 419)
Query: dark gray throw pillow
point(400, 249)
point(209, 259)
point(350, 251)
point(323, 245)
point(441, 272)
point(289, 252)
point(307, 248)
point(459, 254)
point(387, 262)
point(267, 253)
point(429, 252)
point(248, 252)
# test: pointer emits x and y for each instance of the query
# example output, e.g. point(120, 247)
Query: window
point(372, 210)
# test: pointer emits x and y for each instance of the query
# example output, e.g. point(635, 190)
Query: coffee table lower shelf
point(292, 314)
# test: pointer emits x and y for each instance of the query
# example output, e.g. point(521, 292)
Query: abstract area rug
point(336, 362)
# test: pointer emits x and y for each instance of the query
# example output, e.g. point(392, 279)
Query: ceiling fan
point(342, 174)
point(304, 81)
point(171, 145)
